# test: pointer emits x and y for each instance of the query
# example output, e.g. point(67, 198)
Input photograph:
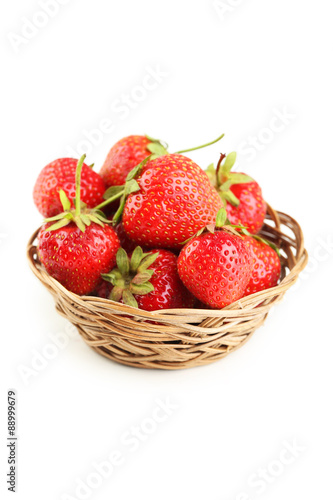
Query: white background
point(222, 71)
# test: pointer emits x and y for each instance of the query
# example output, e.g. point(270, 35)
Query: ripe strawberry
point(266, 266)
point(174, 199)
point(60, 174)
point(215, 267)
point(149, 281)
point(75, 258)
point(78, 247)
point(124, 156)
point(241, 194)
point(251, 210)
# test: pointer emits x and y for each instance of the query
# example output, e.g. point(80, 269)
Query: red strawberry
point(60, 174)
point(149, 281)
point(78, 247)
point(215, 267)
point(242, 195)
point(266, 266)
point(124, 156)
point(175, 199)
point(251, 210)
point(75, 258)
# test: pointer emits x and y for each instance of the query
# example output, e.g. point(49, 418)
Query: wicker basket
point(177, 338)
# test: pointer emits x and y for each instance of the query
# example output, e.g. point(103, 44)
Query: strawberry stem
point(109, 200)
point(222, 156)
point(200, 147)
point(78, 185)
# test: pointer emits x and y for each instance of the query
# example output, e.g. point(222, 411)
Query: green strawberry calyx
point(130, 186)
point(157, 147)
point(222, 178)
point(221, 222)
point(262, 240)
point(81, 214)
point(131, 276)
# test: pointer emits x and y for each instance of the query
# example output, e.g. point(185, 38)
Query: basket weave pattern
point(177, 338)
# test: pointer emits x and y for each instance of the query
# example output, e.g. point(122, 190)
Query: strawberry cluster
point(153, 230)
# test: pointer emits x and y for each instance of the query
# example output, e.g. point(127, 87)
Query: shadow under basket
point(177, 338)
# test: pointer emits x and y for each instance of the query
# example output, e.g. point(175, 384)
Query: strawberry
point(79, 246)
point(173, 200)
point(240, 193)
point(251, 210)
point(75, 258)
point(216, 266)
point(60, 174)
point(266, 265)
point(148, 281)
point(124, 156)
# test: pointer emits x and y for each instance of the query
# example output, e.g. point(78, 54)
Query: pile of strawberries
point(153, 230)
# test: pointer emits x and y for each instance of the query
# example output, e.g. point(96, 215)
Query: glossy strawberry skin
point(175, 200)
point(216, 268)
point(169, 291)
point(77, 259)
point(252, 208)
point(122, 158)
point(266, 266)
point(60, 174)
